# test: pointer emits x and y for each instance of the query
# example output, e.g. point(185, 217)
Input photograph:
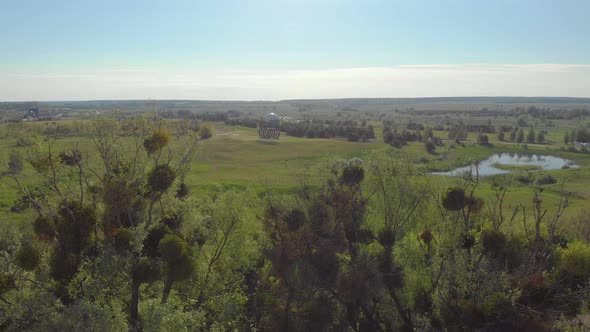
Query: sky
point(283, 49)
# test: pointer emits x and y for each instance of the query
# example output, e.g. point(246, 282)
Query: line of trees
point(350, 130)
point(518, 135)
point(396, 138)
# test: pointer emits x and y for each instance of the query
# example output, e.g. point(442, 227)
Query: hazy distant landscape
point(215, 154)
point(295, 165)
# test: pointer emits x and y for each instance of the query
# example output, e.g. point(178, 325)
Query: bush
point(547, 179)
point(156, 142)
point(161, 178)
point(28, 257)
point(44, 228)
point(430, 147)
point(454, 200)
point(575, 260)
point(493, 243)
point(206, 131)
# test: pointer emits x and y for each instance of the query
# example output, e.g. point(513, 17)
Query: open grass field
point(235, 157)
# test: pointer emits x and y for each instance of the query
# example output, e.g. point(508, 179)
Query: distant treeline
point(413, 132)
point(329, 129)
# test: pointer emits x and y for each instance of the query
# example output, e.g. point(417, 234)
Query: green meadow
point(235, 157)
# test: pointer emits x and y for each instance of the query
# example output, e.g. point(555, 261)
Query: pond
point(504, 163)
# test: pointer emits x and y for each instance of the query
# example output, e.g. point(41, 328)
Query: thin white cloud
point(136, 82)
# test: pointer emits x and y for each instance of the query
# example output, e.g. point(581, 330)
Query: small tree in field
point(482, 139)
point(206, 131)
point(430, 147)
point(530, 138)
point(540, 137)
point(520, 137)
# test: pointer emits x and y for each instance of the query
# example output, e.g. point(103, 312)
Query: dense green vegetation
point(149, 222)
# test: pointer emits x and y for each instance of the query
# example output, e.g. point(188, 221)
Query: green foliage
point(367, 247)
point(430, 146)
point(206, 131)
point(44, 228)
point(493, 243)
point(454, 199)
point(176, 255)
point(153, 238)
point(75, 226)
point(28, 256)
point(520, 137)
point(353, 173)
point(156, 142)
point(183, 191)
point(575, 260)
point(530, 138)
point(146, 270)
point(71, 158)
point(482, 139)
point(123, 240)
point(161, 178)
point(6, 283)
point(63, 265)
point(15, 163)
point(26, 141)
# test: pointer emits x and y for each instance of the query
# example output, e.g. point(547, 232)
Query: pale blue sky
point(60, 38)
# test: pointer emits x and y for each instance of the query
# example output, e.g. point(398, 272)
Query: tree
point(430, 146)
point(583, 135)
point(513, 135)
point(530, 138)
point(573, 136)
point(178, 264)
point(520, 137)
point(540, 137)
point(501, 136)
point(482, 139)
point(92, 217)
point(566, 138)
point(206, 131)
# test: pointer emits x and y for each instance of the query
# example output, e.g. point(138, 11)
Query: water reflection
point(488, 167)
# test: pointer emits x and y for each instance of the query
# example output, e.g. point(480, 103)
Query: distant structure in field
point(32, 113)
point(269, 128)
point(271, 118)
point(582, 145)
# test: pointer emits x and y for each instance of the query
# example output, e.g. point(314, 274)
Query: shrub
point(44, 228)
point(145, 271)
point(493, 243)
point(547, 179)
point(25, 142)
point(183, 191)
point(295, 219)
point(156, 142)
point(161, 178)
point(476, 204)
point(123, 239)
point(71, 158)
point(575, 260)
point(353, 173)
point(152, 240)
point(430, 147)
point(454, 200)
point(15, 163)
point(206, 131)
point(28, 257)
